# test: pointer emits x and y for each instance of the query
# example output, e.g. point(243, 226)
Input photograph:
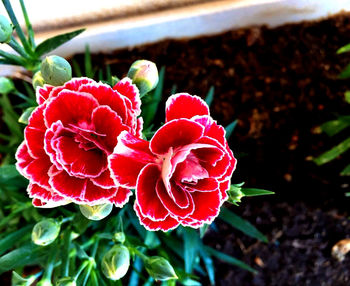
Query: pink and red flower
point(181, 176)
point(69, 137)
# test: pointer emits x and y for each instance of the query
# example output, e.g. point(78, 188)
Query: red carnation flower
point(69, 137)
point(181, 176)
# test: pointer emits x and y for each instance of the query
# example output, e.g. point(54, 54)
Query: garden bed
point(280, 84)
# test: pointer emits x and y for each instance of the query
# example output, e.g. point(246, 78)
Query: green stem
point(139, 253)
point(17, 47)
point(13, 58)
point(65, 252)
point(28, 25)
point(50, 265)
point(81, 268)
point(18, 28)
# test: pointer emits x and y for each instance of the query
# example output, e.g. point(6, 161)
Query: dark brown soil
point(281, 84)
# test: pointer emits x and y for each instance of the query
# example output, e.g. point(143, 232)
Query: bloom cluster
point(83, 144)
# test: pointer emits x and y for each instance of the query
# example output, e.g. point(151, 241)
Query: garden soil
point(280, 84)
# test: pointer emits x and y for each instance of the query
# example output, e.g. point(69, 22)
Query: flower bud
point(66, 281)
point(235, 194)
point(97, 212)
point(44, 282)
point(119, 237)
point(55, 70)
point(45, 231)
point(145, 75)
point(5, 29)
point(116, 262)
point(38, 80)
point(6, 85)
point(159, 268)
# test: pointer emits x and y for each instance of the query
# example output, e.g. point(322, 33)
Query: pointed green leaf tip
point(56, 70)
point(160, 268)
point(5, 30)
point(145, 75)
point(116, 262)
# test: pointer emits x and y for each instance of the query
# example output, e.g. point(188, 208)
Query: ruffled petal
point(37, 171)
point(167, 224)
point(184, 105)
point(104, 180)
point(174, 134)
point(43, 93)
point(70, 107)
point(129, 157)
point(146, 195)
point(105, 95)
point(121, 197)
point(35, 131)
point(108, 123)
point(95, 195)
point(129, 90)
point(23, 158)
point(203, 185)
point(180, 208)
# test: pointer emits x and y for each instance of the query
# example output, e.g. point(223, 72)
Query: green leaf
point(346, 171)
point(203, 230)
point(25, 115)
point(30, 31)
point(344, 49)
point(29, 254)
point(11, 239)
point(345, 72)
point(333, 153)
point(191, 242)
point(12, 59)
point(229, 259)
point(210, 96)
point(241, 224)
point(251, 192)
point(333, 127)
point(229, 128)
point(347, 96)
point(151, 100)
point(54, 42)
point(8, 172)
point(208, 263)
point(89, 72)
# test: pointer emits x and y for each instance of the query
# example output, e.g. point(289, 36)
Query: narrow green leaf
point(251, 192)
point(54, 42)
point(88, 63)
point(241, 224)
point(346, 171)
point(76, 68)
point(210, 96)
point(333, 127)
point(8, 172)
point(229, 128)
point(229, 259)
point(208, 263)
point(11, 239)
point(345, 72)
point(344, 49)
point(29, 254)
point(30, 31)
point(347, 96)
point(25, 115)
point(11, 58)
point(203, 230)
point(333, 153)
point(191, 242)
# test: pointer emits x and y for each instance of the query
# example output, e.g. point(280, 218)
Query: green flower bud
point(235, 194)
point(38, 80)
point(119, 237)
point(116, 262)
point(56, 70)
point(45, 231)
point(97, 212)
point(5, 29)
point(66, 281)
point(44, 282)
point(159, 268)
point(145, 75)
point(6, 85)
